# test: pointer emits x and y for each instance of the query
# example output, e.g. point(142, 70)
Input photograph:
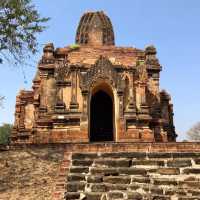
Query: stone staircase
point(134, 176)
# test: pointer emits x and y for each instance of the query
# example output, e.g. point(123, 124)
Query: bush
point(5, 131)
point(194, 132)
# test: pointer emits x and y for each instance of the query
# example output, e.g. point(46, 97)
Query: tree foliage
point(1, 101)
point(194, 132)
point(5, 131)
point(20, 23)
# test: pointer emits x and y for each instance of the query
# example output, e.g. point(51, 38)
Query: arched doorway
point(101, 117)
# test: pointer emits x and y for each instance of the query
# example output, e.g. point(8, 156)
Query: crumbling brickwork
point(97, 171)
point(143, 171)
point(29, 174)
point(58, 108)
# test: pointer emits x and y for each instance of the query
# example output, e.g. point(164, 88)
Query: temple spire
point(95, 28)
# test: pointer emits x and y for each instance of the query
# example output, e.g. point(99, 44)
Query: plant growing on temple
point(194, 132)
point(20, 23)
point(74, 46)
point(5, 131)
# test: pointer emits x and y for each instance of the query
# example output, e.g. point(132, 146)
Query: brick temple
point(95, 91)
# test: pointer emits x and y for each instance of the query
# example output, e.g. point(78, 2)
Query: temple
point(94, 91)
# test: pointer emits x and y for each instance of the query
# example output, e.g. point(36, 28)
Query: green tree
point(194, 132)
point(20, 23)
point(1, 101)
point(5, 131)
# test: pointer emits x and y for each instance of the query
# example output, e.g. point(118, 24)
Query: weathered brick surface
point(179, 163)
point(137, 172)
point(30, 174)
point(61, 184)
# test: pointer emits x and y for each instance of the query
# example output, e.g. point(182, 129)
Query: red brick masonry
point(119, 147)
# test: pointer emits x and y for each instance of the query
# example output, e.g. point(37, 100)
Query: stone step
point(75, 186)
point(116, 171)
point(82, 162)
point(138, 155)
point(76, 177)
point(113, 162)
point(72, 195)
point(116, 162)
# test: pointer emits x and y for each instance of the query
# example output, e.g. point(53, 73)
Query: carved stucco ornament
point(101, 70)
point(142, 73)
point(62, 69)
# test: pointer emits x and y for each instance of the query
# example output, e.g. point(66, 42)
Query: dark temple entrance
point(101, 117)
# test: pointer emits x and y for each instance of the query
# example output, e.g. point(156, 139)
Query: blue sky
point(172, 26)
